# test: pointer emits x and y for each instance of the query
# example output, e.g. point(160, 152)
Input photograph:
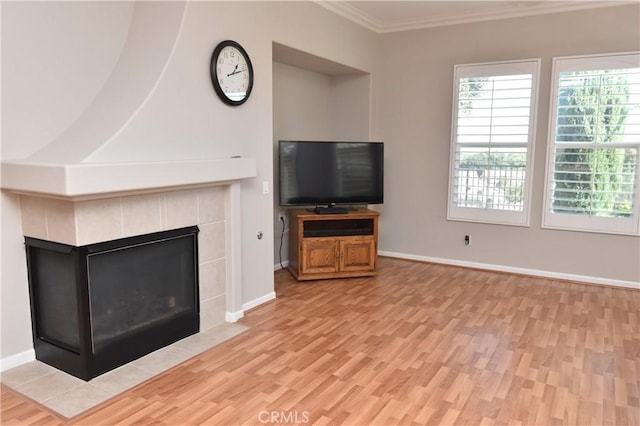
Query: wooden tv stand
point(325, 246)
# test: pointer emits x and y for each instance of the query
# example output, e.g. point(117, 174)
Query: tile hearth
point(70, 396)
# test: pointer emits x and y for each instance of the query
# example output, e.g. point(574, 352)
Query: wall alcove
point(314, 98)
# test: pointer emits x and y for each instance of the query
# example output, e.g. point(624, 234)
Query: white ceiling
point(389, 16)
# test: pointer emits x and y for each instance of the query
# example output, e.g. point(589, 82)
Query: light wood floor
point(418, 344)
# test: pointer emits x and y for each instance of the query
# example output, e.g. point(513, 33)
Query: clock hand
point(235, 71)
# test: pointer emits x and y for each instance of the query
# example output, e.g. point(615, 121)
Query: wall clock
point(231, 73)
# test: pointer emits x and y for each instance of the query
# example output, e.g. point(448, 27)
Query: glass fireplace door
point(137, 287)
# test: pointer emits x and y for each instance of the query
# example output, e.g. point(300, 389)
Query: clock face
point(231, 73)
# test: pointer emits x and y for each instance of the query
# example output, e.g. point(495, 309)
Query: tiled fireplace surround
point(88, 221)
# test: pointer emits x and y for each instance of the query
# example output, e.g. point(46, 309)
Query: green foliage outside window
point(592, 109)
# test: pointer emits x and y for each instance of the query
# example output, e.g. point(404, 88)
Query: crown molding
point(515, 9)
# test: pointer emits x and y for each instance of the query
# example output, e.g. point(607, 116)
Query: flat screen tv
point(318, 173)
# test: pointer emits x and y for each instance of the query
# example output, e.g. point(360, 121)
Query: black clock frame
point(214, 75)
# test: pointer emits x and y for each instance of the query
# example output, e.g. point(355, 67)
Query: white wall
point(300, 103)
point(56, 57)
point(182, 119)
point(413, 117)
point(350, 107)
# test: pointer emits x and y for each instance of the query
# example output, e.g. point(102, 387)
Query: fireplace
point(214, 208)
point(98, 306)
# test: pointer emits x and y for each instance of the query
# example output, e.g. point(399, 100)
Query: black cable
point(280, 249)
point(281, 241)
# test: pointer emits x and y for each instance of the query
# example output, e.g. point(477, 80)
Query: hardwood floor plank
point(418, 344)
point(18, 410)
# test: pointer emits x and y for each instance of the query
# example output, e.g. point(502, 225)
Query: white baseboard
point(233, 316)
point(516, 270)
point(17, 359)
point(259, 301)
point(277, 266)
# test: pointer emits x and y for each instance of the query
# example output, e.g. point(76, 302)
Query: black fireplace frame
point(85, 363)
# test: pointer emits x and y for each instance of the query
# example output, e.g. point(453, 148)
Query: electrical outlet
point(281, 216)
point(467, 240)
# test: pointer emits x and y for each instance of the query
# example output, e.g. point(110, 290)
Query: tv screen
point(314, 173)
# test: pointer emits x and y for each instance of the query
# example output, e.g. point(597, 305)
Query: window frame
point(493, 69)
point(578, 222)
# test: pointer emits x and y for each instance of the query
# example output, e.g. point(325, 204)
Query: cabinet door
point(320, 256)
point(358, 254)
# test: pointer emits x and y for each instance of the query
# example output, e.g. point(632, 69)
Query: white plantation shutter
point(594, 144)
point(491, 141)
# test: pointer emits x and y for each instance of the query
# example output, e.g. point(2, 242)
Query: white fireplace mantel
point(96, 180)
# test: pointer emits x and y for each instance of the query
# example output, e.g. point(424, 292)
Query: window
point(594, 143)
point(492, 142)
